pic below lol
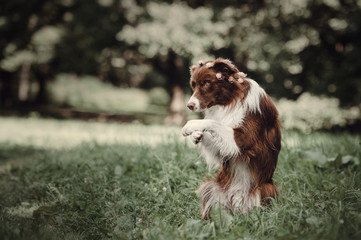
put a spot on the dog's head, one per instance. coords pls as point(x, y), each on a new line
point(214, 83)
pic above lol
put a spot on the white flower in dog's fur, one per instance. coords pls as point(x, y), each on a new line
point(219, 76)
point(209, 65)
point(241, 76)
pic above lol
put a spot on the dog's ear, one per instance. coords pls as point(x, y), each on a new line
point(194, 67)
point(240, 76)
point(224, 66)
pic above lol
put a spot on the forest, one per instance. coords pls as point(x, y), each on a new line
point(51, 51)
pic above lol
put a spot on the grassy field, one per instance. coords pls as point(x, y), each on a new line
point(88, 180)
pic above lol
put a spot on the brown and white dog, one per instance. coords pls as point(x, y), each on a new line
point(240, 134)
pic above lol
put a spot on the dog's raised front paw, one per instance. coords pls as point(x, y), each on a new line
point(191, 126)
point(197, 137)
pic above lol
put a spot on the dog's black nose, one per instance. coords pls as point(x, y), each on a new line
point(191, 106)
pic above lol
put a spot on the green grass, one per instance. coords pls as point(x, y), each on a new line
point(87, 180)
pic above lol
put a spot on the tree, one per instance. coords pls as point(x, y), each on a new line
point(173, 36)
point(29, 34)
point(42, 38)
point(290, 47)
point(89, 44)
point(300, 46)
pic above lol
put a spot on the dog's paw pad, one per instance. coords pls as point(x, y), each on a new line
point(197, 137)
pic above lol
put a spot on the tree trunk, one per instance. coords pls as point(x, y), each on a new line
point(24, 82)
point(42, 76)
point(176, 114)
point(176, 108)
point(7, 98)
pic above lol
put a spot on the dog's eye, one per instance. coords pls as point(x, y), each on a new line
point(193, 85)
point(206, 82)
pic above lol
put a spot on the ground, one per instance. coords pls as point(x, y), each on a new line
point(91, 180)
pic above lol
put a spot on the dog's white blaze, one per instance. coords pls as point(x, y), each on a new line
point(195, 100)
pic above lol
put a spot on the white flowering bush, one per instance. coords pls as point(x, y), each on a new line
point(311, 112)
point(188, 32)
point(89, 94)
point(40, 51)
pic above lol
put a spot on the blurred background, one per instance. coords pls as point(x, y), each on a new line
point(128, 60)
